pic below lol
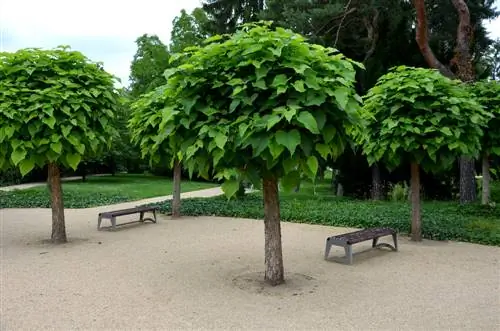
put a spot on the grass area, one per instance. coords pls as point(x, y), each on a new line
point(98, 191)
point(441, 220)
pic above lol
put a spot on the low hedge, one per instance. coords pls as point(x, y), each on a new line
point(440, 220)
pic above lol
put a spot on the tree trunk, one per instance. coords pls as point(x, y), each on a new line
point(274, 274)
point(422, 39)
point(485, 199)
point(376, 183)
point(416, 221)
point(58, 226)
point(467, 180)
point(176, 197)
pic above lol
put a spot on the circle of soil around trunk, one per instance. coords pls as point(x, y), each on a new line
point(296, 284)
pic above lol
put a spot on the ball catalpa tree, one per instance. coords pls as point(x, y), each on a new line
point(418, 116)
point(262, 105)
point(158, 132)
point(56, 106)
point(488, 95)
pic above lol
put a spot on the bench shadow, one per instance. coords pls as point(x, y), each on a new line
point(359, 256)
point(126, 226)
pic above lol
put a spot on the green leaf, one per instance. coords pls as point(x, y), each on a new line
point(73, 160)
point(323, 150)
point(299, 86)
point(230, 187)
point(220, 139)
point(290, 181)
point(25, 166)
point(273, 120)
point(446, 131)
point(275, 149)
point(17, 156)
point(289, 139)
point(312, 163)
point(279, 80)
point(49, 121)
point(341, 94)
point(56, 147)
point(309, 122)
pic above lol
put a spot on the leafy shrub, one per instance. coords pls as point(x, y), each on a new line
point(399, 192)
point(441, 220)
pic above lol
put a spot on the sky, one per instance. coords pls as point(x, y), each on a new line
point(104, 30)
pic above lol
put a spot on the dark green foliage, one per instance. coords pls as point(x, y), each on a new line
point(188, 30)
point(98, 191)
point(225, 15)
point(441, 221)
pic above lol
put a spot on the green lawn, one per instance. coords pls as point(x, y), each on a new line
point(98, 191)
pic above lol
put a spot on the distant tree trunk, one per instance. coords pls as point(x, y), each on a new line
point(376, 183)
point(485, 199)
point(176, 197)
point(416, 221)
point(467, 180)
point(274, 274)
point(58, 226)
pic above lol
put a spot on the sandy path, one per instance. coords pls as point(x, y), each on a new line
point(200, 273)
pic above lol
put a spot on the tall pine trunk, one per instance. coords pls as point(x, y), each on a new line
point(416, 220)
point(176, 198)
point(274, 274)
point(58, 225)
point(485, 199)
point(376, 183)
point(467, 180)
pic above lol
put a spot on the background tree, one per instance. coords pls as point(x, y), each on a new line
point(149, 63)
point(488, 94)
point(159, 134)
point(461, 66)
point(262, 105)
point(418, 116)
point(188, 30)
point(225, 15)
point(55, 107)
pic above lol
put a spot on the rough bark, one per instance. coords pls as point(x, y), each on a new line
point(376, 183)
point(467, 180)
point(274, 274)
point(422, 38)
point(176, 196)
point(416, 220)
point(58, 224)
point(485, 199)
point(462, 60)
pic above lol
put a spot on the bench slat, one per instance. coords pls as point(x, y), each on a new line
point(363, 235)
point(127, 211)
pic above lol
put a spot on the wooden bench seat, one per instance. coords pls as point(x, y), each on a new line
point(346, 240)
point(112, 215)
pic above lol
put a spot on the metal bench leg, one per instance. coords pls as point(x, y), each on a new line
point(395, 238)
point(141, 218)
point(154, 215)
point(374, 243)
point(327, 249)
point(113, 222)
point(99, 220)
point(348, 253)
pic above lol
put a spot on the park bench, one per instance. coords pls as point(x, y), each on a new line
point(112, 215)
point(346, 240)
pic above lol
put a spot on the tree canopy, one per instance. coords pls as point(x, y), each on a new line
point(418, 115)
point(55, 106)
point(149, 63)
